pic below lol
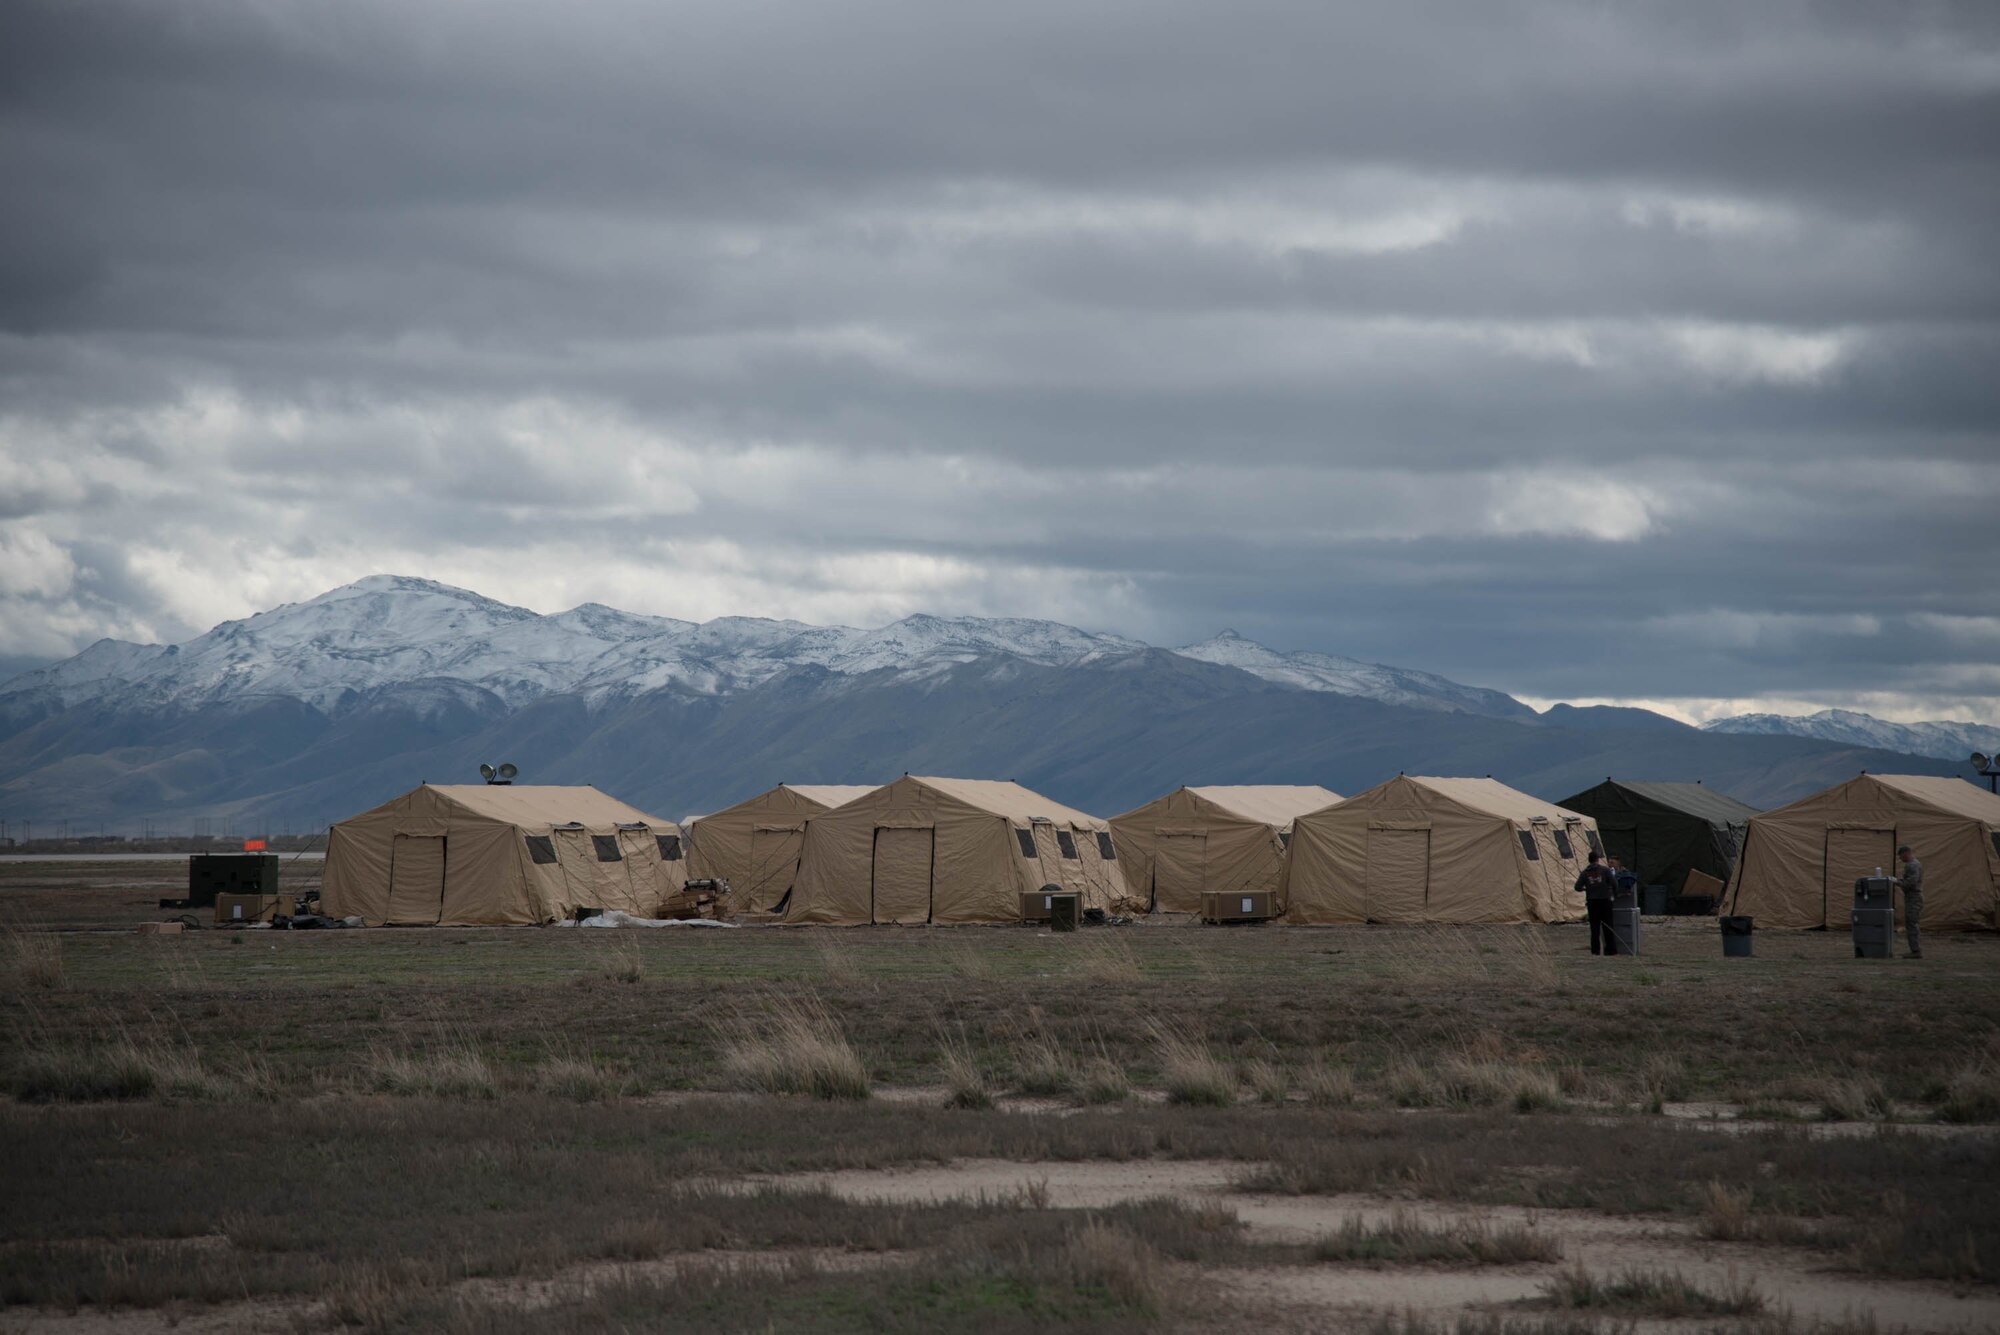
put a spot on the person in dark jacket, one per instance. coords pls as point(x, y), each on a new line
point(1596, 882)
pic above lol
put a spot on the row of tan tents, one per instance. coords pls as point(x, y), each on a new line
point(940, 850)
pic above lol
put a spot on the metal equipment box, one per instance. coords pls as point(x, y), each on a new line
point(245, 908)
point(1036, 904)
point(1873, 919)
point(1238, 906)
point(212, 874)
point(1065, 911)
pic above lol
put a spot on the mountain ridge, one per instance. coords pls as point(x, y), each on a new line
point(314, 710)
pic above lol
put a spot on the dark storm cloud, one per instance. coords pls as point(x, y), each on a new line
point(1582, 350)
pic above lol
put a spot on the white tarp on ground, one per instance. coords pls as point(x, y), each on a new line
point(620, 918)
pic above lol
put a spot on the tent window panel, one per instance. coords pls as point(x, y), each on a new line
point(541, 848)
point(1563, 845)
point(1596, 844)
point(607, 847)
point(1995, 837)
point(670, 847)
point(1284, 839)
point(1026, 838)
point(1109, 852)
point(1067, 843)
point(1528, 845)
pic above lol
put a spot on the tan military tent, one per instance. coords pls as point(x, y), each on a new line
point(1799, 862)
point(756, 844)
point(1212, 838)
point(1419, 849)
point(469, 854)
point(949, 850)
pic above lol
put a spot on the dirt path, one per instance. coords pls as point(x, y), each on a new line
point(1601, 1243)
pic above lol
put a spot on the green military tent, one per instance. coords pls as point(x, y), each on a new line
point(1662, 831)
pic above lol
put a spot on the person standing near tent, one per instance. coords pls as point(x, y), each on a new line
point(1912, 885)
point(1596, 882)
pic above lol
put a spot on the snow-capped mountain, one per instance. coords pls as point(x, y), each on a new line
point(1350, 676)
point(389, 630)
point(1942, 740)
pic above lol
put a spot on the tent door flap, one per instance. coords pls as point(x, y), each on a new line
point(416, 880)
point(902, 875)
point(1399, 866)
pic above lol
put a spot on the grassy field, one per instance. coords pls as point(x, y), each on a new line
point(574, 1129)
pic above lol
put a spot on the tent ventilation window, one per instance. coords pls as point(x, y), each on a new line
point(1528, 845)
point(1563, 845)
point(1026, 838)
point(633, 825)
point(1596, 844)
point(541, 848)
point(1067, 843)
point(607, 847)
point(1995, 837)
point(1284, 839)
point(670, 847)
point(1105, 848)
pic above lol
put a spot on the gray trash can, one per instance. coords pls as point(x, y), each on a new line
point(1625, 920)
point(1736, 935)
point(1874, 918)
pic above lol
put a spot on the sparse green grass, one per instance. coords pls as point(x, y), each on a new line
point(238, 1087)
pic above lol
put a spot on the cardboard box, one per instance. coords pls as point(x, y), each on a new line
point(160, 928)
point(1238, 906)
point(1701, 883)
point(245, 908)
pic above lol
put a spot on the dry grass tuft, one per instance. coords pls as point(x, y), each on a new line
point(1973, 1095)
point(1104, 1259)
point(1270, 1081)
point(1725, 1213)
point(1105, 957)
point(1042, 1066)
point(1191, 1071)
point(624, 963)
point(1330, 1086)
point(1474, 1082)
point(452, 1070)
point(579, 1076)
point(1658, 1293)
point(35, 959)
point(1854, 1099)
point(964, 1080)
point(836, 961)
point(1103, 1081)
point(1407, 1239)
point(795, 1047)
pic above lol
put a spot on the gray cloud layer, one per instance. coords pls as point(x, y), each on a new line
point(1609, 351)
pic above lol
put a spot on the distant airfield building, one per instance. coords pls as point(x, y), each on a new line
point(1662, 831)
point(1226, 838)
point(1799, 862)
point(756, 844)
point(930, 850)
point(1420, 849)
point(480, 854)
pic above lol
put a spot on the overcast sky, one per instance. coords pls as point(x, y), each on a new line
point(1587, 351)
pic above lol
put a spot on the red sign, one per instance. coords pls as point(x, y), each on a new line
point(253, 845)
